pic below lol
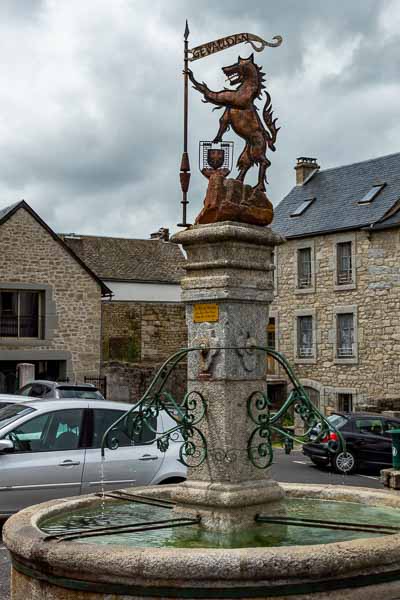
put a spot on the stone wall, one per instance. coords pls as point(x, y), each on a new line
point(30, 258)
point(142, 331)
point(373, 375)
point(128, 382)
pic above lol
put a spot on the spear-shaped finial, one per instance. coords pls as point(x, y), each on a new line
point(185, 165)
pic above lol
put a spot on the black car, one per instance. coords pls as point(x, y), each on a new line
point(367, 437)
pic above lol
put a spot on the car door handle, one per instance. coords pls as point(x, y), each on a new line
point(148, 457)
point(69, 463)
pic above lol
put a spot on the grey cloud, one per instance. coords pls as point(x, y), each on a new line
point(93, 138)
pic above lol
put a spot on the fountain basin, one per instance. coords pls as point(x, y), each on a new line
point(360, 568)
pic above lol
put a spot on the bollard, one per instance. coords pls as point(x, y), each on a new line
point(395, 433)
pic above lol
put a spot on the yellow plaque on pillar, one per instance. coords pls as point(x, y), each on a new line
point(205, 313)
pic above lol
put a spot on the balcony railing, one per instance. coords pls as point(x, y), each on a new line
point(305, 281)
point(345, 352)
point(305, 352)
point(344, 277)
point(21, 326)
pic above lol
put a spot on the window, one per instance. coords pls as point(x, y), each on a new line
point(313, 395)
point(345, 402)
point(345, 335)
point(344, 266)
point(147, 434)
point(390, 425)
point(76, 392)
point(372, 193)
point(369, 426)
point(271, 333)
point(124, 433)
point(304, 275)
point(59, 430)
point(102, 420)
point(337, 421)
point(21, 314)
point(11, 412)
point(302, 208)
point(271, 343)
point(305, 337)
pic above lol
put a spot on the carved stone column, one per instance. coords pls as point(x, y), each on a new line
point(227, 290)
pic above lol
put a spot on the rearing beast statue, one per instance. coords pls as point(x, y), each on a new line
point(242, 115)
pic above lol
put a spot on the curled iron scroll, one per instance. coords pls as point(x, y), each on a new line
point(255, 38)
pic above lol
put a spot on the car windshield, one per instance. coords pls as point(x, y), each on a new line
point(11, 412)
point(79, 393)
point(337, 421)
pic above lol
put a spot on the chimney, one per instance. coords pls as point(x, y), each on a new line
point(304, 168)
point(161, 234)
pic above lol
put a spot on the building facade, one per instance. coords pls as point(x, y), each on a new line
point(144, 321)
point(336, 313)
point(50, 303)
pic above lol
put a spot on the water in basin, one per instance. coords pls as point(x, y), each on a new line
point(126, 513)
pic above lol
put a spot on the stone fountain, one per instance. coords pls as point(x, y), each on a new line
point(227, 290)
point(227, 532)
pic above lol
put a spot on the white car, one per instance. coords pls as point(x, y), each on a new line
point(51, 449)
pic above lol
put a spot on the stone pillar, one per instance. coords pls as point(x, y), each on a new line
point(26, 374)
point(227, 291)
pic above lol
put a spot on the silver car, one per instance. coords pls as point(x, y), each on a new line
point(6, 399)
point(42, 388)
point(51, 449)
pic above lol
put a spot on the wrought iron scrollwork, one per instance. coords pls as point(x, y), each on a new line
point(142, 417)
point(261, 453)
point(259, 448)
point(188, 415)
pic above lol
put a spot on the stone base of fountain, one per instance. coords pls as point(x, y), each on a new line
point(228, 507)
point(361, 569)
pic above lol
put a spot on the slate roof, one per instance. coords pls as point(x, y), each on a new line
point(336, 192)
point(124, 259)
point(8, 211)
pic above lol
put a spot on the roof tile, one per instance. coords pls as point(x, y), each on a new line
point(129, 259)
point(337, 192)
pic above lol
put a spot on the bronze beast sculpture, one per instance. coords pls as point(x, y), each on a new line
point(242, 115)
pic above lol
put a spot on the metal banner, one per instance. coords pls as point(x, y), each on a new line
point(258, 44)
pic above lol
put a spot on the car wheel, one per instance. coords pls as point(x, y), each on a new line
point(344, 462)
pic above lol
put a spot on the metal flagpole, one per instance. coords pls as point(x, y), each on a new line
point(185, 165)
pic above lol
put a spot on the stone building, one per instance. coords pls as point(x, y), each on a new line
point(50, 303)
point(336, 313)
point(144, 322)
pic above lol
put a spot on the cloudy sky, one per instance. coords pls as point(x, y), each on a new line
point(91, 99)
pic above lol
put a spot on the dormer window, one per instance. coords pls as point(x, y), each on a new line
point(302, 208)
point(372, 193)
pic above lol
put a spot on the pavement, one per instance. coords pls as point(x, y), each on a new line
point(292, 468)
point(297, 468)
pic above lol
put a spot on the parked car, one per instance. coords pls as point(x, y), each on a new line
point(9, 399)
point(41, 388)
point(51, 449)
point(368, 442)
